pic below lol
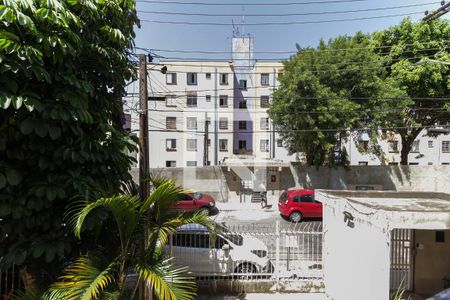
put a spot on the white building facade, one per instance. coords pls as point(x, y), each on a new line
point(232, 97)
point(205, 112)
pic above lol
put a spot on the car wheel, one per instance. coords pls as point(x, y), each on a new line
point(246, 268)
point(206, 210)
point(296, 217)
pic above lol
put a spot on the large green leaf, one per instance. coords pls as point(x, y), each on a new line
point(13, 177)
point(27, 126)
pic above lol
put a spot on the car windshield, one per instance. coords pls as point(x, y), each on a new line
point(234, 238)
point(197, 195)
point(284, 197)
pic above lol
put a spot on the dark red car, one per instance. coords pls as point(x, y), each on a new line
point(195, 202)
point(299, 204)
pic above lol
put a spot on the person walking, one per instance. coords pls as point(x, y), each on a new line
point(263, 194)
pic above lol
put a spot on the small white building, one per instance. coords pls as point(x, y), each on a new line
point(376, 242)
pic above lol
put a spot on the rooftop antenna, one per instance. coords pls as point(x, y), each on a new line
point(243, 21)
point(235, 29)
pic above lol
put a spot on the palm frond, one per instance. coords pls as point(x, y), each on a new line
point(165, 195)
point(85, 279)
point(163, 230)
point(124, 208)
point(168, 282)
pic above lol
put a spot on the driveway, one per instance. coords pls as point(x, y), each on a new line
point(274, 296)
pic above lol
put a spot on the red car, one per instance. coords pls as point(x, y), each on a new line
point(195, 202)
point(299, 204)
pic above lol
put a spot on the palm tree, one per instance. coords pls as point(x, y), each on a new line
point(142, 227)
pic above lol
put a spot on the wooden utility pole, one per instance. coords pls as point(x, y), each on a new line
point(143, 147)
point(205, 143)
point(445, 8)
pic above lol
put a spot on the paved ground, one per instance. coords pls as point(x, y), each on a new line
point(274, 296)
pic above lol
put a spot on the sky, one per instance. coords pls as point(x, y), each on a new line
point(267, 38)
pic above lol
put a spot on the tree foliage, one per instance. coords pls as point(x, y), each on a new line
point(359, 84)
point(102, 273)
point(63, 67)
point(402, 47)
point(324, 92)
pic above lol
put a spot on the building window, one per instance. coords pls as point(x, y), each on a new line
point(171, 163)
point(223, 100)
point(171, 123)
point(171, 78)
point(363, 163)
point(242, 145)
point(415, 146)
point(243, 84)
point(264, 145)
point(171, 145)
point(242, 125)
point(208, 75)
point(445, 164)
point(264, 101)
point(191, 78)
point(265, 79)
point(191, 100)
point(223, 145)
point(191, 145)
point(273, 178)
point(413, 163)
point(223, 123)
point(393, 164)
point(279, 143)
point(171, 100)
point(440, 236)
point(223, 79)
point(430, 163)
point(208, 98)
point(208, 143)
point(393, 146)
point(445, 146)
point(242, 104)
point(191, 163)
point(264, 123)
point(430, 144)
point(191, 123)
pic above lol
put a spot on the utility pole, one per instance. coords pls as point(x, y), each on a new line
point(445, 8)
point(144, 293)
point(205, 143)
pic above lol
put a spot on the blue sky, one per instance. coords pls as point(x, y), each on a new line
point(267, 38)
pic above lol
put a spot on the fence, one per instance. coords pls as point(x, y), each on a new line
point(251, 251)
point(10, 282)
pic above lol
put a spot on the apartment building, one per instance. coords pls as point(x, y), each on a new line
point(426, 150)
point(204, 112)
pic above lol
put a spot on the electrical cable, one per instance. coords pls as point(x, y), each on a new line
point(287, 14)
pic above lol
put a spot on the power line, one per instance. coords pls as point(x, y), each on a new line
point(224, 131)
point(279, 23)
point(299, 111)
point(285, 51)
point(286, 14)
point(250, 4)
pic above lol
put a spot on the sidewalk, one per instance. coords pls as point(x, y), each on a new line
point(274, 296)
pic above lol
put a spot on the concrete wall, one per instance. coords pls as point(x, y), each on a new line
point(219, 181)
point(355, 256)
point(432, 262)
point(209, 180)
point(396, 178)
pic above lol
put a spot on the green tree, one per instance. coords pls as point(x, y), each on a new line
point(102, 273)
point(63, 66)
point(402, 47)
point(326, 91)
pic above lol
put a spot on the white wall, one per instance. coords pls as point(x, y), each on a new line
point(356, 260)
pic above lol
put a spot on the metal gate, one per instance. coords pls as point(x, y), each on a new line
point(402, 262)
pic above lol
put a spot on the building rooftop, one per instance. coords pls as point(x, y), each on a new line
point(395, 201)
